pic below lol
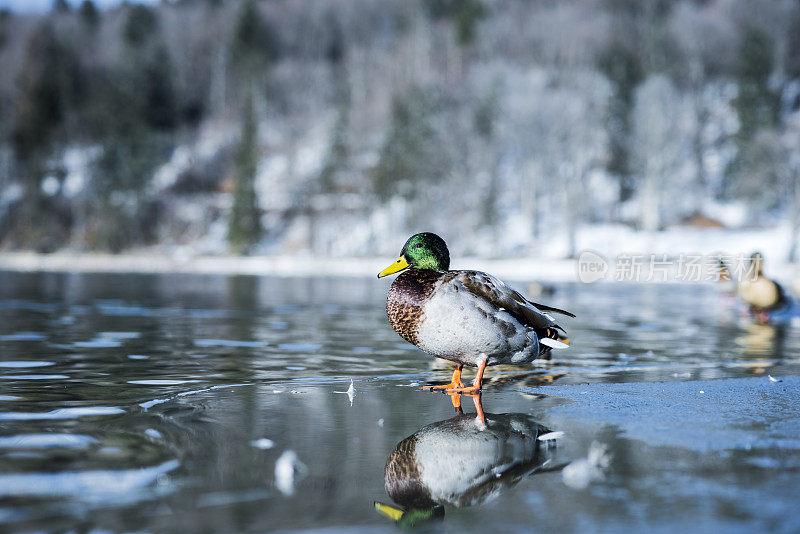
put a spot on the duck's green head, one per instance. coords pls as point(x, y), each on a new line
point(421, 251)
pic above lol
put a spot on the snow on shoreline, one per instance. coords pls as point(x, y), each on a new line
point(609, 241)
point(524, 269)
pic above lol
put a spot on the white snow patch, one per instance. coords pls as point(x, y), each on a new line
point(11, 194)
point(262, 443)
point(77, 163)
point(166, 175)
point(580, 473)
point(50, 185)
point(288, 471)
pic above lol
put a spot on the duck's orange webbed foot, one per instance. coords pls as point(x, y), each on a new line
point(476, 384)
point(454, 384)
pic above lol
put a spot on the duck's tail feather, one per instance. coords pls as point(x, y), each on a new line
point(553, 343)
point(545, 307)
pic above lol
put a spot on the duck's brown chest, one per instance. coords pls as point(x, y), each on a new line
point(406, 301)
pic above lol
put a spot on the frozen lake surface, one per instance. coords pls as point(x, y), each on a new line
point(209, 403)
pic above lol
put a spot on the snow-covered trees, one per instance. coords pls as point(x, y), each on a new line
point(514, 123)
point(661, 147)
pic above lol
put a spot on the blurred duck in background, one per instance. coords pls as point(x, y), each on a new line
point(768, 302)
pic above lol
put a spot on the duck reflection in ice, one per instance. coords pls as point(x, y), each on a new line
point(763, 340)
point(463, 461)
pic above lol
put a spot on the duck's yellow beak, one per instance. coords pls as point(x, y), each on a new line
point(397, 266)
point(387, 510)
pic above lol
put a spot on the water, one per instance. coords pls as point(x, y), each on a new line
point(205, 403)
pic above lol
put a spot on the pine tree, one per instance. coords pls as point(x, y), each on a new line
point(756, 104)
point(49, 88)
point(464, 14)
point(244, 229)
point(133, 112)
point(255, 44)
point(60, 6)
point(5, 17)
point(120, 213)
point(756, 107)
point(412, 152)
point(336, 159)
point(161, 108)
point(623, 69)
point(140, 25)
point(89, 14)
point(49, 85)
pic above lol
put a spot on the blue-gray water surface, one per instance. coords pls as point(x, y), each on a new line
point(164, 403)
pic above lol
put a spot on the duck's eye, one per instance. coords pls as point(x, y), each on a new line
point(418, 245)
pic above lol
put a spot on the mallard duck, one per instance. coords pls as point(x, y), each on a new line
point(463, 462)
point(759, 292)
point(468, 317)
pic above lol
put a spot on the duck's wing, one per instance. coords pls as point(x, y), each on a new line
point(501, 296)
